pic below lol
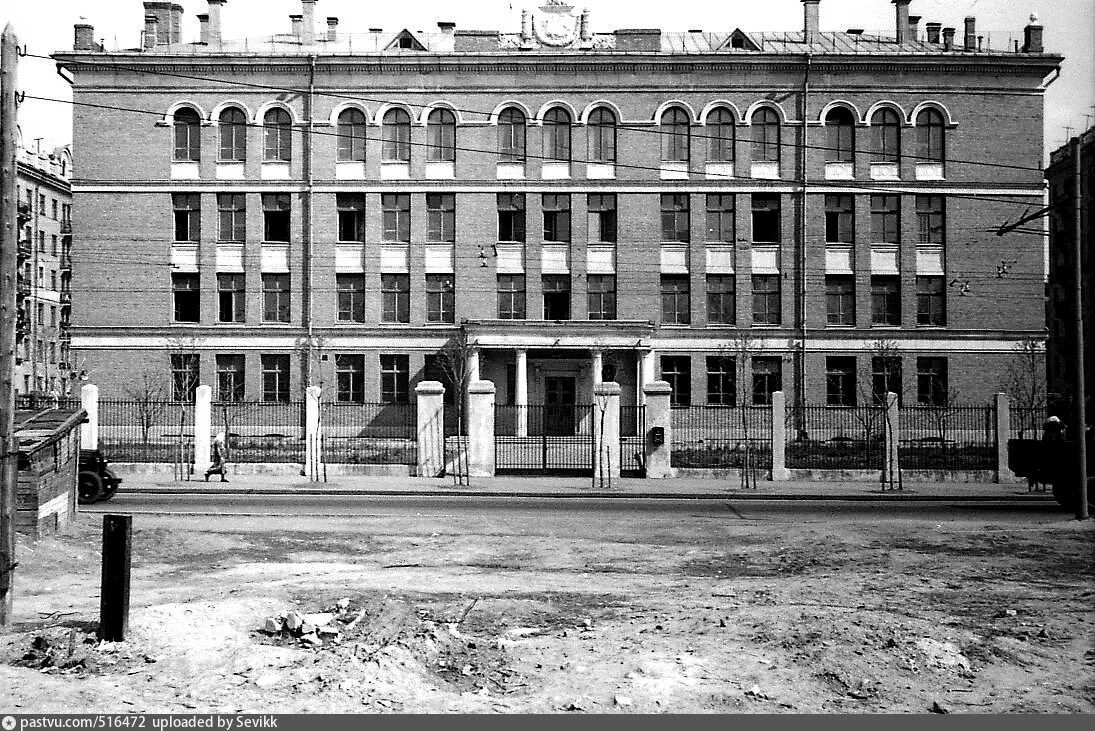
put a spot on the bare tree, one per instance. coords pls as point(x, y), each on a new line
point(885, 366)
point(452, 360)
point(1025, 384)
point(183, 353)
point(740, 348)
point(150, 393)
point(311, 350)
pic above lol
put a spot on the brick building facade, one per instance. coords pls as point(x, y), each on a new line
point(334, 208)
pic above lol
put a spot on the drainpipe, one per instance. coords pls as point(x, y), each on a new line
point(306, 220)
point(800, 365)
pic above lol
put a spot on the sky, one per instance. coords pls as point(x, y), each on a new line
point(46, 26)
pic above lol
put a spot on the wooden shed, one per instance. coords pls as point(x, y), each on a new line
point(49, 459)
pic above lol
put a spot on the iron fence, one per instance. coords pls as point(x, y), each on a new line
point(544, 438)
point(948, 438)
point(722, 436)
point(146, 430)
point(633, 441)
point(1026, 423)
point(261, 431)
point(369, 433)
point(836, 437)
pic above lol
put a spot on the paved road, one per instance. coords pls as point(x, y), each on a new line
point(537, 508)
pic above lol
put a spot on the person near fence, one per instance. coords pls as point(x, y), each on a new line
point(220, 458)
point(1052, 431)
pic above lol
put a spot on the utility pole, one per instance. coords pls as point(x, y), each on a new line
point(1079, 417)
point(8, 263)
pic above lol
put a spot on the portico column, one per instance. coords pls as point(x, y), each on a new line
point(646, 370)
point(520, 398)
point(598, 367)
point(473, 365)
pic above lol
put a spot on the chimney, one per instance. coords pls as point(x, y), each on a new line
point(586, 33)
point(215, 7)
point(447, 27)
point(526, 27)
point(308, 7)
point(297, 21)
point(902, 9)
point(151, 31)
point(933, 32)
point(176, 24)
point(203, 29)
point(84, 38)
point(948, 39)
point(1032, 37)
point(332, 29)
point(811, 19)
point(971, 34)
point(163, 14)
point(914, 28)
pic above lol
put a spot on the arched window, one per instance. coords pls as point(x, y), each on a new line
point(930, 145)
point(675, 132)
point(885, 136)
point(187, 136)
point(511, 135)
point(441, 136)
point(602, 136)
point(839, 135)
point(233, 133)
point(396, 136)
point(720, 136)
point(351, 136)
point(557, 135)
point(277, 143)
point(765, 125)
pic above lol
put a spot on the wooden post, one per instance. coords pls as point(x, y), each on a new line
point(114, 590)
point(9, 242)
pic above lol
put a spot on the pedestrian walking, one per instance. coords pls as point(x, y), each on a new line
point(220, 458)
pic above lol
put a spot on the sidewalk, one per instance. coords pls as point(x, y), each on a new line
point(575, 487)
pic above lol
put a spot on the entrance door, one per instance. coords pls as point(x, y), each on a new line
point(559, 402)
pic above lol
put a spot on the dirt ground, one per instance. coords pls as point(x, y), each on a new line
point(649, 615)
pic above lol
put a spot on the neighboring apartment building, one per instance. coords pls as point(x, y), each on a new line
point(635, 205)
point(1061, 346)
point(44, 298)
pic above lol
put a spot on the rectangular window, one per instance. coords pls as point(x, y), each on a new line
point(720, 217)
point(676, 371)
point(275, 217)
point(232, 212)
point(396, 212)
point(767, 305)
point(676, 300)
point(885, 378)
point(840, 299)
point(556, 296)
point(885, 219)
point(350, 378)
point(441, 217)
point(351, 297)
point(230, 386)
point(839, 219)
point(840, 381)
point(188, 214)
point(185, 374)
point(231, 297)
point(395, 295)
point(767, 379)
point(721, 307)
point(556, 209)
point(394, 379)
point(931, 302)
point(766, 215)
point(602, 296)
point(275, 297)
point(931, 381)
point(53, 245)
point(351, 216)
point(511, 216)
point(511, 296)
point(53, 209)
point(438, 367)
point(602, 217)
point(275, 378)
point(675, 218)
point(440, 299)
point(931, 219)
point(186, 297)
point(885, 300)
point(721, 381)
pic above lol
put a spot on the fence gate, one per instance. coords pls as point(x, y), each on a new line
point(553, 439)
point(633, 441)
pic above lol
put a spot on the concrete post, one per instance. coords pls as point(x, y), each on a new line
point(481, 429)
point(430, 396)
point(313, 434)
point(203, 413)
point(1003, 434)
point(779, 438)
point(520, 398)
point(89, 431)
point(606, 433)
point(658, 414)
point(892, 466)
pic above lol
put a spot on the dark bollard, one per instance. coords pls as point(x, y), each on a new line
point(114, 592)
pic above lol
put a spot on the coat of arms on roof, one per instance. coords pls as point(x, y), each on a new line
point(556, 24)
